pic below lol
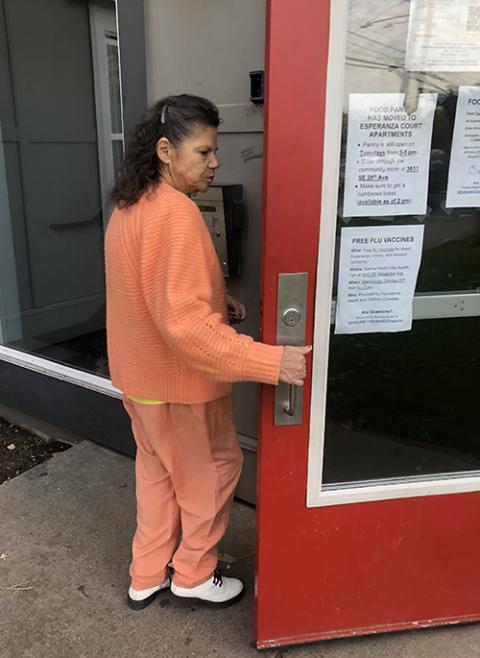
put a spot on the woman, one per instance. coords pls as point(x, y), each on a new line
point(173, 354)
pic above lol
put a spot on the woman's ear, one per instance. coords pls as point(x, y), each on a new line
point(164, 150)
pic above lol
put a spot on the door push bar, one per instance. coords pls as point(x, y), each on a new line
point(291, 314)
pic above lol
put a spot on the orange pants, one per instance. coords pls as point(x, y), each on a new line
point(187, 466)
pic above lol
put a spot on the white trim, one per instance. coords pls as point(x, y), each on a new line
point(117, 28)
point(326, 252)
point(406, 489)
point(104, 29)
point(428, 306)
point(442, 305)
point(436, 305)
point(59, 371)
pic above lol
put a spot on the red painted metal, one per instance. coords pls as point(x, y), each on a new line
point(349, 569)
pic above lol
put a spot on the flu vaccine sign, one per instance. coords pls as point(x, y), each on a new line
point(377, 278)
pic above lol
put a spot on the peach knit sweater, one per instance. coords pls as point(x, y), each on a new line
point(167, 324)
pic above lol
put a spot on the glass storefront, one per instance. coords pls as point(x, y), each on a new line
point(404, 404)
point(61, 139)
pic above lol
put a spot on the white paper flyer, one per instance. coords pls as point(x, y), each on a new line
point(443, 35)
point(377, 278)
point(463, 188)
point(388, 154)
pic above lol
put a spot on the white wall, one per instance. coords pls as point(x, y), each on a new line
point(208, 47)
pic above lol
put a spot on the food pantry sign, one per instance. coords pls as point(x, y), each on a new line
point(378, 273)
point(388, 152)
point(463, 189)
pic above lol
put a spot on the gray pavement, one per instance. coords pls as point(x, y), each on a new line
point(65, 529)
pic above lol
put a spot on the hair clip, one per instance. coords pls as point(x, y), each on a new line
point(220, 121)
point(162, 116)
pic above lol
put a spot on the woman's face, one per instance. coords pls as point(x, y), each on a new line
point(190, 166)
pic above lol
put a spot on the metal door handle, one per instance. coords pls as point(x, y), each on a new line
point(291, 406)
point(291, 315)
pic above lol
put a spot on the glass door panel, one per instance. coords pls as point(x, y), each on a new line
point(404, 404)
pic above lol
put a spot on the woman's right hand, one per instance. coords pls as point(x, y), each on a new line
point(293, 368)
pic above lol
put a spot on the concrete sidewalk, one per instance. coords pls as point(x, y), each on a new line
point(66, 527)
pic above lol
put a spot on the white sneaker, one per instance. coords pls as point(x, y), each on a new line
point(219, 591)
point(138, 599)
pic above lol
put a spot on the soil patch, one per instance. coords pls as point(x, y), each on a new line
point(21, 450)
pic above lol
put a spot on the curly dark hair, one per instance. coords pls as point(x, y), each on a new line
point(173, 117)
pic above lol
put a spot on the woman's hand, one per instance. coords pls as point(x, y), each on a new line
point(236, 310)
point(293, 368)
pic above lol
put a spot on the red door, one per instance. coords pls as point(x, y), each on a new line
point(368, 511)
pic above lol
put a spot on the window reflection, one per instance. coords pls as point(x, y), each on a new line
point(56, 165)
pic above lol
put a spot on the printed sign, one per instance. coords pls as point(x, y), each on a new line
point(378, 273)
point(388, 153)
point(463, 189)
point(443, 35)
